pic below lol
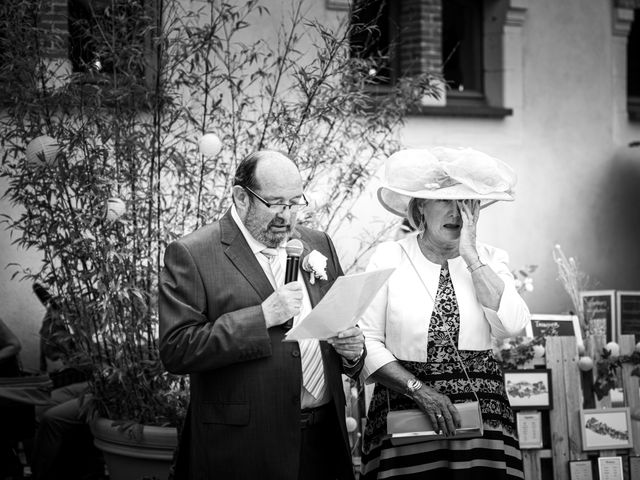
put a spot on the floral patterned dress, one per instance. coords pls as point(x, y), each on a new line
point(494, 456)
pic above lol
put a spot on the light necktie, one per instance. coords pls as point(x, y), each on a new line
point(277, 271)
point(310, 355)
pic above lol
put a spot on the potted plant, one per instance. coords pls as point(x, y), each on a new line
point(109, 163)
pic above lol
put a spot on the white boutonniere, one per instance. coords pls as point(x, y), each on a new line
point(316, 264)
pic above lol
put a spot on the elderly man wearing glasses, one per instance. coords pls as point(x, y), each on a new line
point(260, 407)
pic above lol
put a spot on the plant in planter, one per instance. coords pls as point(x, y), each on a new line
point(119, 158)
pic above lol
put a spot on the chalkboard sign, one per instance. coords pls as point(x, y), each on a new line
point(554, 325)
point(600, 309)
point(628, 318)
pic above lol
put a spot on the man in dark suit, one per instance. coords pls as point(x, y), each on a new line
point(260, 408)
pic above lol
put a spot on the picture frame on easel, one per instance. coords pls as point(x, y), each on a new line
point(606, 428)
point(529, 389)
point(628, 313)
point(599, 308)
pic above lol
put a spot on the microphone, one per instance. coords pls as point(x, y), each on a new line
point(294, 250)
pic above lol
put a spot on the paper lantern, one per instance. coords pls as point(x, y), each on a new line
point(581, 349)
point(638, 347)
point(613, 348)
point(352, 424)
point(585, 364)
point(115, 208)
point(42, 148)
point(210, 145)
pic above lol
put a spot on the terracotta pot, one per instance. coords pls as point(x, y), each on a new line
point(134, 459)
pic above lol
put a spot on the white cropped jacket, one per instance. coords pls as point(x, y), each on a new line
point(396, 324)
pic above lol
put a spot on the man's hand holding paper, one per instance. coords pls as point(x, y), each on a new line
point(349, 343)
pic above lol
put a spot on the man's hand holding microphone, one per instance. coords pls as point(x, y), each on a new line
point(286, 302)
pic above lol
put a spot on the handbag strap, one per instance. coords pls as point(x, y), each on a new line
point(446, 328)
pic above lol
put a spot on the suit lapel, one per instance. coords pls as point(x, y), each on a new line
point(239, 253)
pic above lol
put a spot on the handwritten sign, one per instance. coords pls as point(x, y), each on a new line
point(629, 313)
point(581, 470)
point(529, 429)
point(554, 325)
point(610, 468)
point(599, 310)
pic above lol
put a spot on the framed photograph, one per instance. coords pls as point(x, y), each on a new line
point(610, 468)
point(605, 428)
point(529, 425)
point(628, 313)
point(600, 310)
point(554, 325)
point(581, 469)
point(529, 389)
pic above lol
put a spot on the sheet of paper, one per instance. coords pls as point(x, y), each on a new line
point(341, 307)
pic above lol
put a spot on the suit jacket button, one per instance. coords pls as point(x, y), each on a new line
point(295, 353)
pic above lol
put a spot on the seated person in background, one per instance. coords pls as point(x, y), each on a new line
point(16, 418)
point(58, 355)
point(10, 347)
point(63, 446)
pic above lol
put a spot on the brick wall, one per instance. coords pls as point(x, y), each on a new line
point(420, 36)
point(54, 23)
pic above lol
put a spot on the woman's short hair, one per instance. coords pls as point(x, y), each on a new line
point(414, 215)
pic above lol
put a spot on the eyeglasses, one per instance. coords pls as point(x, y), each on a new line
point(294, 207)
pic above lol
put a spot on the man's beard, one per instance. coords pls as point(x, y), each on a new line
point(263, 234)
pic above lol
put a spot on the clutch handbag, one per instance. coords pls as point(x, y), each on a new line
point(413, 425)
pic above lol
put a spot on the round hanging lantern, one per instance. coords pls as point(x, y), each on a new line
point(42, 148)
point(210, 145)
point(613, 348)
point(585, 364)
point(115, 208)
point(581, 349)
point(352, 424)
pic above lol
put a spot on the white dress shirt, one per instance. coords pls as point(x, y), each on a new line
point(307, 400)
point(396, 324)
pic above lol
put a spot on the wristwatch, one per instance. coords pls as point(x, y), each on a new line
point(413, 386)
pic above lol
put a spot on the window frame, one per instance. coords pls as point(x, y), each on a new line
point(501, 47)
point(633, 98)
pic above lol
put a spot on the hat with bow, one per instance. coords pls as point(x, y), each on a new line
point(444, 173)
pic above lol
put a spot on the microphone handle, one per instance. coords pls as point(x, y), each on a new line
point(291, 275)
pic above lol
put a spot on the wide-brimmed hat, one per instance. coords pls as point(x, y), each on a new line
point(444, 173)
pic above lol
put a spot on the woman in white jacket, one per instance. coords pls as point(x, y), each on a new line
point(428, 331)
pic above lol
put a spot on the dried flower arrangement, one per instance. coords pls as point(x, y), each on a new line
point(573, 280)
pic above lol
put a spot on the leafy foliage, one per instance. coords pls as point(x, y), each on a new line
point(131, 138)
point(606, 371)
point(520, 350)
